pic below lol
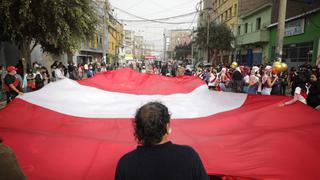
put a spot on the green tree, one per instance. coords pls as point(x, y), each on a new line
point(57, 25)
point(220, 39)
point(182, 51)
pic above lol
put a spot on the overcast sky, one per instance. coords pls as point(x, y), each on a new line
point(155, 9)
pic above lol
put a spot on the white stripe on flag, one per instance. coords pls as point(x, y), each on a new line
point(71, 98)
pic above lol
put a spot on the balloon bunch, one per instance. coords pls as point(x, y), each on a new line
point(278, 67)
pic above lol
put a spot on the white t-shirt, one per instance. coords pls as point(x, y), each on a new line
point(212, 77)
point(86, 67)
point(59, 74)
point(246, 79)
point(300, 97)
point(254, 79)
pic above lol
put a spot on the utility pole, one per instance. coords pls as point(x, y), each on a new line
point(164, 45)
point(192, 52)
point(207, 9)
point(208, 34)
point(281, 29)
point(104, 31)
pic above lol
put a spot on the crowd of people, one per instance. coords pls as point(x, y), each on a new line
point(302, 83)
point(14, 81)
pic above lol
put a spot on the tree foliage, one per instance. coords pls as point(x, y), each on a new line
point(220, 38)
point(182, 51)
point(57, 25)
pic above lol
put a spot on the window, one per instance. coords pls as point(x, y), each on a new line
point(239, 30)
point(230, 13)
point(258, 23)
point(246, 28)
point(300, 52)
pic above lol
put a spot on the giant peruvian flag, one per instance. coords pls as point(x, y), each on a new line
point(78, 130)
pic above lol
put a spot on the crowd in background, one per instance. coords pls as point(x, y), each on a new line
point(301, 83)
point(37, 75)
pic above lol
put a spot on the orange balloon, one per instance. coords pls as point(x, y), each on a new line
point(277, 66)
point(275, 71)
point(284, 67)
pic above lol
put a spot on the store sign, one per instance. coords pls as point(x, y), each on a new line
point(150, 57)
point(294, 27)
point(128, 57)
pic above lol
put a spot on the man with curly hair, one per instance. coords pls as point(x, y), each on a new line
point(156, 157)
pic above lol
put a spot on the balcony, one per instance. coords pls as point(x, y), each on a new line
point(260, 36)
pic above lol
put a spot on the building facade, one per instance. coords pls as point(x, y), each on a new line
point(252, 34)
point(149, 49)
point(302, 39)
point(205, 8)
point(93, 49)
point(178, 37)
point(129, 44)
point(226, 11)
point(115, 39)
point(138, 47)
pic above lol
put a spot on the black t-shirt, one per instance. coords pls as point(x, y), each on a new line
point(237, 76)
point(10, 79)
point(313, 98)
point(161, 162)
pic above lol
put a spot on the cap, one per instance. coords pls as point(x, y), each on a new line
point(268, 68)
point(11, 68)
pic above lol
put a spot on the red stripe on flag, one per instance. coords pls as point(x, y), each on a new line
point(259, 140)
point(129, 81)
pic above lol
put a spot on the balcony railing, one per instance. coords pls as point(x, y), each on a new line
point(253, 37)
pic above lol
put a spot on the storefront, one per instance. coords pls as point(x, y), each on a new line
point(302, 37)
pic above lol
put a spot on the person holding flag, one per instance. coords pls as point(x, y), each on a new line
point(12, 84)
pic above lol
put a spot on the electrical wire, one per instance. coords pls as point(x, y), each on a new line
point(151, 20)
point(141, 21)
point(193, 21)
point(162, 19)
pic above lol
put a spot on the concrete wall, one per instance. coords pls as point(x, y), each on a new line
point(9, 55)
point(264, 14)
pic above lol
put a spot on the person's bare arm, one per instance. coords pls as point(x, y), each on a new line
point(15, 89)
